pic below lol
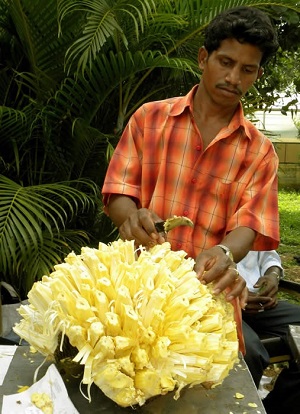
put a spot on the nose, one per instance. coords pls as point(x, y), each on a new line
point(233, 76)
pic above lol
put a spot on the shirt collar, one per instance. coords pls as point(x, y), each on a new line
point(238, 120)
point(185, 102)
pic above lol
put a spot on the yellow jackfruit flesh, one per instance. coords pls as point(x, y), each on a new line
point(141, 323)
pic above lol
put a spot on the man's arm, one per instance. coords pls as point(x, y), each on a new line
point(214, 265)
point(240, 242)
point(211, 265)
point(120, 207)
point(271, 271)
point(275, 272)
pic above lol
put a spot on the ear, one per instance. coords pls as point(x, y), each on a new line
point(260, 73)
point(202, 57)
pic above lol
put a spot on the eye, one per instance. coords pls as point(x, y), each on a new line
point(225, 62)
point(249, 70)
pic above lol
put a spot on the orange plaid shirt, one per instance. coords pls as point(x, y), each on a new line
point(160, 162)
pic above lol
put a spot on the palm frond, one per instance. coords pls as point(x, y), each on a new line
point(84, 95)
point(12, 123)
point(26, 212)
point(104, 20)
point(89, 151)
point(14, 131)
point(42, 258)
point(36, 33)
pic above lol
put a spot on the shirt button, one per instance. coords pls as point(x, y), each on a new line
point(179, 246)
point(194, 180)
point(198, 147)
point(185, 213)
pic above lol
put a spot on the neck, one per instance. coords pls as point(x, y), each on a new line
point(205, 108)
point(210, 117)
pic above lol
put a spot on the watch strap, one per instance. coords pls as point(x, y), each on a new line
point(226, 250)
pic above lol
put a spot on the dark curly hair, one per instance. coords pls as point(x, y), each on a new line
point(245, 24)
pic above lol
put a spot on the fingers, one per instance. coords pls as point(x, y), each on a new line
point(238, 289)
point(241, 294)
point(139, 226)
point(261, 307)
point(267, 286)
point(210, 267)
point(254, 307)
point(272, 303)
point(230, 278)
point(213, 265)
point(129, 231)
point(244, 298)
point(260, 303)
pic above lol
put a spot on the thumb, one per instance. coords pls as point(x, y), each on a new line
point(260, 282)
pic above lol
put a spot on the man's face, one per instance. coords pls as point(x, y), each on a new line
point(228, 72)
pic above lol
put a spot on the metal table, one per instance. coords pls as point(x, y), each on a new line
point(198, 400)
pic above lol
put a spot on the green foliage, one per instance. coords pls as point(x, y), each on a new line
point(296, 120)
point(71, 74)
point(281, 76)
point(290, 296)
point(289, 213)
point(36, 227)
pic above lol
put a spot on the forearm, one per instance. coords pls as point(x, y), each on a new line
point(240, 242)
point(275, 272)
point(120, 207)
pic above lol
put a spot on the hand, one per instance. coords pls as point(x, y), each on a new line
point(257, 303)
point(213, 265)
point(267, 285)
point(139, 226)
point(266, 296)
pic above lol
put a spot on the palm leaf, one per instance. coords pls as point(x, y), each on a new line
point(11, 121)
point(85, 95)
point(41, 260)
point(36, 33)
point(88, 151)
point(112, 21)
point(27, 212)
point(104, 20)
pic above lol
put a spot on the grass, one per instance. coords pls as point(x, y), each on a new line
point(289, 215)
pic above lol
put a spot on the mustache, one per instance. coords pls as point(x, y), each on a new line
point(229, 87)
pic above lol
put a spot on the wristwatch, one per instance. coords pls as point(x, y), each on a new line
point(226, 250)
point(273, 272)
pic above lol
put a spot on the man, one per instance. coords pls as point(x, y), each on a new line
point(199, 157)
point(264, 314)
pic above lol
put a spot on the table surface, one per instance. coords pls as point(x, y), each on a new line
point(219, 400)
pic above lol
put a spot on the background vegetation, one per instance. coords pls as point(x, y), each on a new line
point(71, 74)
point(289, 212)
